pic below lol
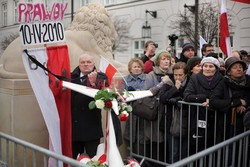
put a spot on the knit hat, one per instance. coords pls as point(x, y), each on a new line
point(157, 56)
point(210, 60)
point(193, 62)
point(187, 46)
point(232, 60)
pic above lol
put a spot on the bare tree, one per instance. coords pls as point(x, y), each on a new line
point(122, 29)
point(207, 23)
point(7, 40)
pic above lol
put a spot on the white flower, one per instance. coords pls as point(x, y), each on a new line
point(125, 113)
point(99, 104)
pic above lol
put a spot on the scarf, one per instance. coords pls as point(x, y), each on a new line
point(239, 82)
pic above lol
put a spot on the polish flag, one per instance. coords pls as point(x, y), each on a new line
point(107, 152)
point(59, 63)
point(224, 31)
point(242, 1)
point(107, 68)
point(53, 101)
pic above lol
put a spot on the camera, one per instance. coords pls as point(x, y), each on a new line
point(156, 45)
point(172, 38)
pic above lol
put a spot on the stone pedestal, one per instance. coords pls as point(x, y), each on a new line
point(20, 116)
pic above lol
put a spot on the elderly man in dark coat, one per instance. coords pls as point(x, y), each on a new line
point(86, 123)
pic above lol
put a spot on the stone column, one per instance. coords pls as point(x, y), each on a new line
point(20, 116)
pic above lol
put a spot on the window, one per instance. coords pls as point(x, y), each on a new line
point(4, 13)
point(142, 44)
point(136, 44)
point(15, 11)
point(84, 2)
point(108, 2)
point(138, 48)
point(231, 41)
point(180, 42)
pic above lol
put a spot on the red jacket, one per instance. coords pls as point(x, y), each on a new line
point(148, 66)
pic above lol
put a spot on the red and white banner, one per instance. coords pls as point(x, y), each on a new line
point(107, 68)
point(45, 98)
point(107, 152)
point(242, 1)
point(59, 64)
point(224, 31)
point(53, 101)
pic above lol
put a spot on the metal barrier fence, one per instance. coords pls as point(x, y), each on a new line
point(213, 154)
point(160, 142)
point(15, 152)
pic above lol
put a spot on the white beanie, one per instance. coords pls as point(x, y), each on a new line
point(210, 60)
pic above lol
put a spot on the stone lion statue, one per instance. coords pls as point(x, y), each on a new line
point(92, 30)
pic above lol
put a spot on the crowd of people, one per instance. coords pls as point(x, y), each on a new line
point(216, 83)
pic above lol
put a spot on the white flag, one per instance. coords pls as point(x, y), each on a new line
point(40, 85)
point(113, 155)
point(248, 70)
point(202, 42)
point(108, 150)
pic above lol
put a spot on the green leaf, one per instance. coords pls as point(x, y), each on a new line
point(127, 93)
point(129, 108)
point(92, 105)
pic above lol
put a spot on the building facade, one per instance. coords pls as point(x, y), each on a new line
point(133, 15)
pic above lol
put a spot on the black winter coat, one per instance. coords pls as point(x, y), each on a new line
point(198, 88)
point(86, 124)
point(170, 96)
point(183, 58)
point(226, 96)
point(197, 91)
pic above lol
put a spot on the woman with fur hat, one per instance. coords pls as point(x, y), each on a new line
point(233, 92)
point(232, 97)
point(198, 90)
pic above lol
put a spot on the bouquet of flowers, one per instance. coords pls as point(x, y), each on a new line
point(104, 99)
point(85, 159)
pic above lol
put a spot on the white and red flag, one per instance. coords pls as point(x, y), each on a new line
point(107, 68)
point(59, 64)
point(202, 41)
point(53, 101)
point(224, 31)
point(107, 152)
point(242, 1)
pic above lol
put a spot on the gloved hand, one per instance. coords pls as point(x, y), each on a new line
point(174, 100)
point(130, 88)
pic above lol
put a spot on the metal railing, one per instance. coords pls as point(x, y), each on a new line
point(15, 152)
point(150, 141)
point(219, 149)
